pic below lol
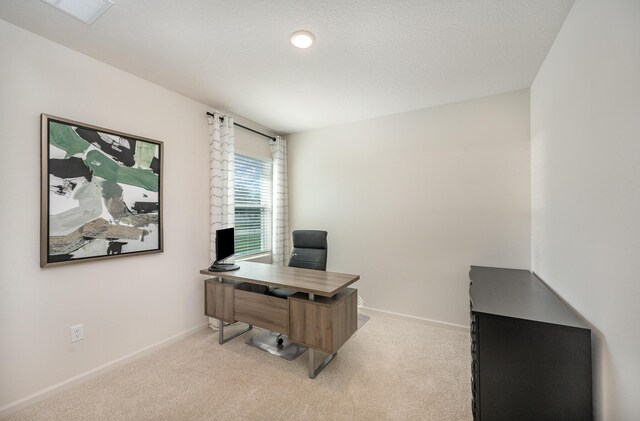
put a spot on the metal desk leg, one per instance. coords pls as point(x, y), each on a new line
point(221, 339)
point(313, 371)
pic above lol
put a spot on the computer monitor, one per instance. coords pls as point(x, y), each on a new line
point(225, 244)
point(225, 248)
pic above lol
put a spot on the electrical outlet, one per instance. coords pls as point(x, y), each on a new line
point(77, 333)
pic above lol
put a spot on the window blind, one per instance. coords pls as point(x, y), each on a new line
point(253, 205)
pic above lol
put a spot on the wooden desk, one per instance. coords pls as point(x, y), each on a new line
point(318, 282)
point(324, 323)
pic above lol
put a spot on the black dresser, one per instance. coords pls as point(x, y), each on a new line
point(531, 353)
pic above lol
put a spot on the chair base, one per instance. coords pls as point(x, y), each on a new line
point(268, 342)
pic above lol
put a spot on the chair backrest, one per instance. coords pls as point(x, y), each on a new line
point(309, 249)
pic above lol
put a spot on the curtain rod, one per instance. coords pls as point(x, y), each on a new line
point(246, 128)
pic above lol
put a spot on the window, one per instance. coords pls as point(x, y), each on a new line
point(253, 205)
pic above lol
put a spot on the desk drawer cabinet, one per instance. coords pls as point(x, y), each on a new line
point(218, 299)
point(262, 310)
point(325, 323)
point(234, 301)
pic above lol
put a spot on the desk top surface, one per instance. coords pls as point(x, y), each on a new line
point(318, 282)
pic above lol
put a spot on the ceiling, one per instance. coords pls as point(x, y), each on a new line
point(371, 57)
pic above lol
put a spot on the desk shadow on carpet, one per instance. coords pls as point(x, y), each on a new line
point(362, 319)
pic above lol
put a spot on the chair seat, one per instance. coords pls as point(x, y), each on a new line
point(280, 292)
point(246, 286)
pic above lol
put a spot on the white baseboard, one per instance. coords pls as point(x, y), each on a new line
point(87, 375)
point(419, 319)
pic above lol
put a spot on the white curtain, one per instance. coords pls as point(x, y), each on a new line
point(280, 238)
point(222, 165)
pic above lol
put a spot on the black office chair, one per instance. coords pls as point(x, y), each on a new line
point(309, 252)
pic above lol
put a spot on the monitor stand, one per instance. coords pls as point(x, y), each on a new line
point(223, 267)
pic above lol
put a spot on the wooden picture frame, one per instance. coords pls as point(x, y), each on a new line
point(101, 193)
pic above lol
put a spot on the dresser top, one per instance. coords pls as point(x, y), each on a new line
point(519, 294)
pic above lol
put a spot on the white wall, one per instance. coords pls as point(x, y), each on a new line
point(585, 131)
point(411, 200)
point(126, 304)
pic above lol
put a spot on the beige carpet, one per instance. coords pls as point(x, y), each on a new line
point(392, 369)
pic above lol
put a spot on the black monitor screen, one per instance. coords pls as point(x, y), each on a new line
point(225, 245)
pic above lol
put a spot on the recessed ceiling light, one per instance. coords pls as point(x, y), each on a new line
point(302, 39)
point(85, 10)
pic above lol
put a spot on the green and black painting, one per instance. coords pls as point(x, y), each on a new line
point(104, 193)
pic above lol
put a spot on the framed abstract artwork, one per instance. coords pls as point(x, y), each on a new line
point(101, 193)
